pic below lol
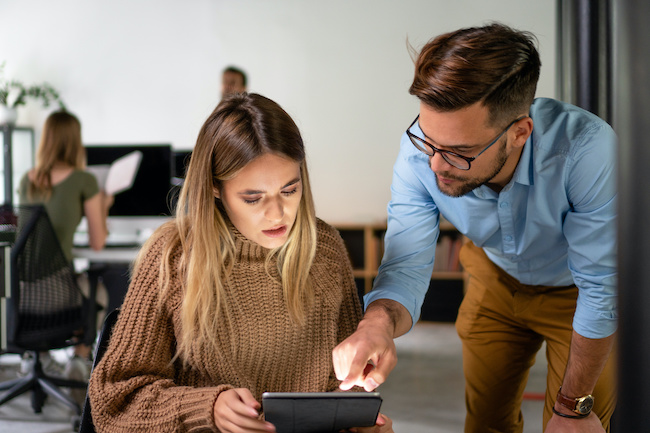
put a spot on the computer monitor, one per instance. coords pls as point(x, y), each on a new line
point(181, 162)
point(149, 195)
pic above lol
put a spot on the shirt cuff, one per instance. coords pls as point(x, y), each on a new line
point(594, 324)
point(408, 303)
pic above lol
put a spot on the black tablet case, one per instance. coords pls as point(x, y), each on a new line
point(320, 412)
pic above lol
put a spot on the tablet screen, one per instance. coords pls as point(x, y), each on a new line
point(320, 412)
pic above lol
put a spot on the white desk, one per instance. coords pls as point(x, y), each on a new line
point(106, 255)
point(134, 230)
point(111, 266)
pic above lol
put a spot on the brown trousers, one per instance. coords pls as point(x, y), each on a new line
point(502, 325)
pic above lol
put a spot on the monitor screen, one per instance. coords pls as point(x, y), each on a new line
point(181, 162)
point(149, 194)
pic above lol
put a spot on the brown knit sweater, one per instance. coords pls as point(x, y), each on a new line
point(135, 387)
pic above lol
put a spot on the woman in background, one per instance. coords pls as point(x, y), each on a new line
point(245, 291)
point(59, 182)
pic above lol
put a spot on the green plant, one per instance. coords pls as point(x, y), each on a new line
point(14, 93)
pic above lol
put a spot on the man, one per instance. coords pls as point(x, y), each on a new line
point(531, 183)
point(233, 80)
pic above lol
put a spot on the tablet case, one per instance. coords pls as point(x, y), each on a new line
point(320, 412)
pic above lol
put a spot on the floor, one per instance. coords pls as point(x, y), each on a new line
point(424, 394)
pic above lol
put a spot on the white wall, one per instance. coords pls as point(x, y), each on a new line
point(144, 71)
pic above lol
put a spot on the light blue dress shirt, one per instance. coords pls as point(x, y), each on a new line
point(553, 224)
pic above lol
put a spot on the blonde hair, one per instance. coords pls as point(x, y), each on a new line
point(240, 129)
point(60, 143)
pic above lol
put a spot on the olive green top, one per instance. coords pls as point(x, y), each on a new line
point(65, 205)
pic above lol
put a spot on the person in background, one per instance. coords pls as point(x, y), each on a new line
point(59, 182)
point(233, 80)
point(244, 291)
point(532, 184)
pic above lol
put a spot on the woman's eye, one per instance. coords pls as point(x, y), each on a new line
point(251, 201)
point(293, 191)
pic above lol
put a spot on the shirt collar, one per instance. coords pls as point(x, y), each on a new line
point(523, 173)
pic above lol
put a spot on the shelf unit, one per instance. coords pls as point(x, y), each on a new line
point(365, 244)
point(16, 158)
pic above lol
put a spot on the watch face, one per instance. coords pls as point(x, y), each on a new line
point(584, 404)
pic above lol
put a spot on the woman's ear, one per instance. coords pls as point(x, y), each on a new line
point(216, 192)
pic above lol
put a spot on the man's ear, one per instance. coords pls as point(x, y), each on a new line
point(522, 130)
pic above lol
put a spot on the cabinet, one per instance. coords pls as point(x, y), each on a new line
point(16, 158)
point(365, 244)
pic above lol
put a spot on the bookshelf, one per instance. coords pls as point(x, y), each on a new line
point(365, 244)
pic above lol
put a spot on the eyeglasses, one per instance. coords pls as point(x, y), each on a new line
point(458, 161)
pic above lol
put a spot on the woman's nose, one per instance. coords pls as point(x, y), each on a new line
point(275, 210)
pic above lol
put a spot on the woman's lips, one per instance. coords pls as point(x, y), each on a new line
point(276, 232)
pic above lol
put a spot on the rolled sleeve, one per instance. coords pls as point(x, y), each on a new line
point(410, 240)
point(590, 229)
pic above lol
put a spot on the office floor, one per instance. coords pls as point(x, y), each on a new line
point(424, 394)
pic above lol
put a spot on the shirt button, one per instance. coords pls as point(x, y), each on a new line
point(504, 204)
point(508, 238)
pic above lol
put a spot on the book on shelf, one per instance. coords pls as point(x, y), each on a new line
point(446, 258)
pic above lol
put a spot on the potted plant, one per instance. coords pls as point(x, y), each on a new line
point(14, 94)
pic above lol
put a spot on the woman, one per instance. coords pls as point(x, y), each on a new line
point(59, 182)
point(245, 291)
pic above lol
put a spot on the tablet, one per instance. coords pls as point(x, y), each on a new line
point(320, 412)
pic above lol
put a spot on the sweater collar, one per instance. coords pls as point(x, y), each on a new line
point(244, 247)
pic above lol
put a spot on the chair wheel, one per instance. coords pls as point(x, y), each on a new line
point(38, 399)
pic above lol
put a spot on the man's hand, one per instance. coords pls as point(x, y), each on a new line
point(587, 357)
point(589, 424)
point(236, 410)
point(367, 357)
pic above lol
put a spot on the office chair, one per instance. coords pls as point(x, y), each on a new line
point(45, 309)
point(87, 425)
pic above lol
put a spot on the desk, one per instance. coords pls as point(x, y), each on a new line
point(124, 255)
point(125, 237)
point(111, 266)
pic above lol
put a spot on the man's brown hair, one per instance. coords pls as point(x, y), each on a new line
point(494, 64)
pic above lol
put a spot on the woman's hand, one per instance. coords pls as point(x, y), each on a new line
point(383, 425)
point(236, 410)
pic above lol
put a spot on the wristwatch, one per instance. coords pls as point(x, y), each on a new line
point(580, 405)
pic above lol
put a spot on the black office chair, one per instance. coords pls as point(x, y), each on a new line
point(87, 425)
point(46, 309)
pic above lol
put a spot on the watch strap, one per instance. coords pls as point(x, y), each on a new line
point(572, 403)
point(568, 402)
point(563, 415)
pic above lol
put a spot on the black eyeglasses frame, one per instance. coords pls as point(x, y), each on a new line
point(447, 153)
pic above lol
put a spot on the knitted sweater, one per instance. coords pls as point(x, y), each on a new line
point(136, 387)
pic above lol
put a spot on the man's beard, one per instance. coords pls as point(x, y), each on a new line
point(467, 184)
